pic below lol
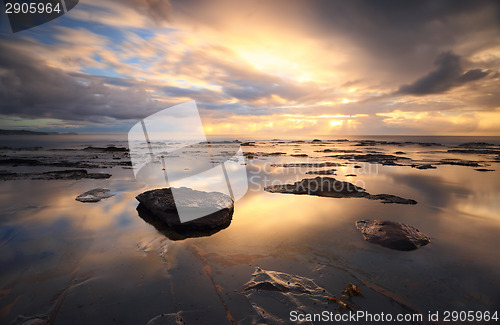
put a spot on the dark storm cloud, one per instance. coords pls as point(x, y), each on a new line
point(448, 74)
point(29, 88)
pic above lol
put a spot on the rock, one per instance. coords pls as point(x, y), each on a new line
point(320, 186)
point(400, 153)
point(94, 195)
point(424, 166)
point(274, 294)
point(459, 162)
point(62, 163)
point(392, 235)
point(298, 155)
point(322, 172)
point(108, 149)
point(316, 141)
point(251, 155)
point(53, 175)
point(160, 203)
point(476, 151)
point(350, 175)
point(317, 165)
point(69, 174)
point(388, 198)
point(484, 170)
point(179, 232)
point(382, 159)
point(476, 145)
point(338, 150)
point(331, 187)
point(6, 175)
point(21, 162)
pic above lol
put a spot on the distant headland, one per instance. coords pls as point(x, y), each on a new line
point(27, 132)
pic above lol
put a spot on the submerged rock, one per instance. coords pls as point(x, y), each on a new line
point(69, 174)
point(331, 187)
point(158, 208)
point(73, 174)
point(424, 166)
point(476, 145)
point(107, 149)
point(476, 151)
point(383, 159)
point(389, 198)
point(459, 162)
point(317, 165)
point(394, 235)
point(95, 195)
point(322, 172)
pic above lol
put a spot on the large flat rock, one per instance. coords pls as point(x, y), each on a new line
point(162, 208)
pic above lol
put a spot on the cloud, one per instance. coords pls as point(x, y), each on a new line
point(448, 74)
point(158, 10)
point(29, 88)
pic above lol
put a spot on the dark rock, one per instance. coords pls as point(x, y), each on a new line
point(251, 155)
point(459, 162)
point(429, 144)
point(400, 153)
point(69, 174)
point(320, 186)
point(338, 150)
point(53, 175)
point(331, 187)
point(6, 175)
point(317, 165)
point(248, 144)
point(351, 175)
point(424, 166)
point(20, 162)
point(63, 163)
point(476, 145)
point(484, 170)
point(389, 198)
point(382, 159)
point(298, 155)
point(316, 141)
point(107, 149)
point(94, 195)
point(322, 172)
point(160, 203)
point(177, 232)
point(392, 235)
point(476, 151)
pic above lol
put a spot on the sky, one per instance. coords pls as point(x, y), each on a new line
point(276, 68)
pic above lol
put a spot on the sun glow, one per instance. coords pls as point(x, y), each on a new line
point(335, 123)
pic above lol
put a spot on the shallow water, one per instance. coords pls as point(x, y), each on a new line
point(99, 263)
